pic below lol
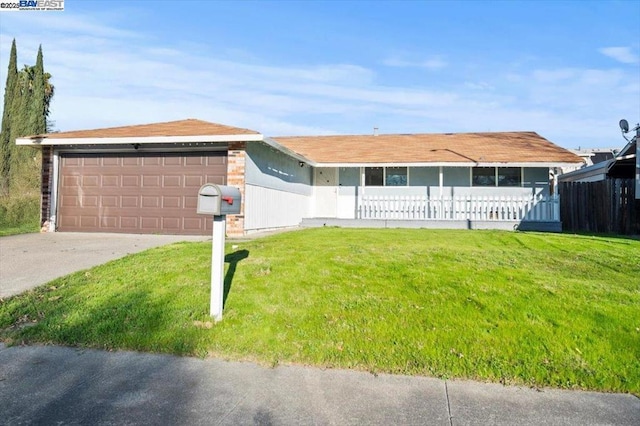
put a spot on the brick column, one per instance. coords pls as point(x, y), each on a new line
point(46, 183)
point(235, 177)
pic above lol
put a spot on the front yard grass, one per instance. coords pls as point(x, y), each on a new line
point(18, 229)
point(517, 308)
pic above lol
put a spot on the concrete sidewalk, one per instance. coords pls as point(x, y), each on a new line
point(51, 385)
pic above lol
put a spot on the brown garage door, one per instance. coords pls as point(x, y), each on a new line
point(137, 192)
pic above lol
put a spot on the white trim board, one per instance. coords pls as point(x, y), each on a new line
point(52, 140)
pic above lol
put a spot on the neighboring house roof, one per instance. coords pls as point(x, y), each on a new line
point(594, 172)
point(623, 165)
point(626, 165)
point(447, 148)
point(190, 130)
point(629, 149)
point(595, 155)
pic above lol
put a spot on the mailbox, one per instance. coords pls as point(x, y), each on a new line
point(218, 200)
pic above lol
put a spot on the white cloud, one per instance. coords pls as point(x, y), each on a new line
point(478, 85)
point(554, 76)
point(621, 54)
point(66, 23)
point(433, 63)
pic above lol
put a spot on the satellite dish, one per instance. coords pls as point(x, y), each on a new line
point(624, 125)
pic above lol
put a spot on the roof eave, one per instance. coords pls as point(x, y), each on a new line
point(595, 169)
point(274, 144)
point(629, 148)
point(49, 141)
point(452, 164)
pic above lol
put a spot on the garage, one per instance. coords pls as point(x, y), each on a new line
point(136, 192)
point(141, 178)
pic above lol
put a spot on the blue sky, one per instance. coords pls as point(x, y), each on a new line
point(568, 70)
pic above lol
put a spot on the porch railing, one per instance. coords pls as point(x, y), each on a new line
point(464, 207)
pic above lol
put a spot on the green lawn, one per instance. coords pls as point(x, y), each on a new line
point(519, 308)
point(18, 229)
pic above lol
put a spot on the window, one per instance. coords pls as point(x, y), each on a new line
point(427, 176)
point(509, 176)
point(484, 176)
point(455, 176)
point(501, 176)
point(373, 176)
point(396, 176)
point(349, 176)
point(385, 176)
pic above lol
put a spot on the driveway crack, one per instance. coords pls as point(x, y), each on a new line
point(238, 402)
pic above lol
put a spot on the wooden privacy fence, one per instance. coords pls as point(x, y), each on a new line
point(605, 206)
point(420, 207)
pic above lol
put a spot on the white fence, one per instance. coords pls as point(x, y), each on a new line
point(464, 207)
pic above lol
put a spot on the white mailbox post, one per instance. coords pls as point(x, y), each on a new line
point(218, 201)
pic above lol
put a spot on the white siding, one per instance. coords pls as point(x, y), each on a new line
point(326, 192)
point(267, 208)
point(278, 190)
point(269, 168)
point(346, 205)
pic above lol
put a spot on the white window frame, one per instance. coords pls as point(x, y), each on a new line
point(495, 177)
point(363, 177)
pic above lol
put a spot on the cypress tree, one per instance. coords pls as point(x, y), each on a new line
point(7, 119)
point(26, 107)
point(30, 105)
point(17, 115)
point(21, 101)
point(37, 108)
point(20, 155)
point(49, 90)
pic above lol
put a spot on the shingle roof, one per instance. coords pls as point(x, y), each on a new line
point(189, 127)
point(495, 147)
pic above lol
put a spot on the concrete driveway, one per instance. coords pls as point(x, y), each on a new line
point(29, 260)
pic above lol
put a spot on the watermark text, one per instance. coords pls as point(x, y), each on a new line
point(21, 5)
